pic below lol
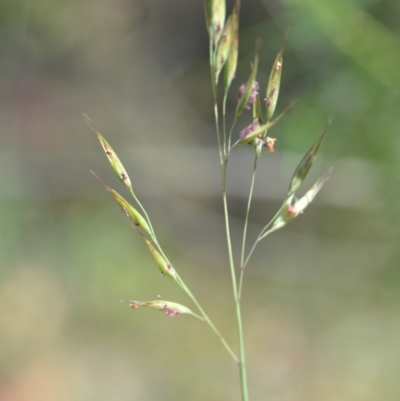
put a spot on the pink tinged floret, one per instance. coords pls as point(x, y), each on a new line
point(250, 128)
point(294, 209)
point(170, 312)
point(291, 210)
point(266, 142)
point(253, 93)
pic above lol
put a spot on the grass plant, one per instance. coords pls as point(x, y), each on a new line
point(223, 33)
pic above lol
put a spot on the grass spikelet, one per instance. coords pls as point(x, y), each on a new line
point(129, 210)
point(116, 164)
point(306, 162)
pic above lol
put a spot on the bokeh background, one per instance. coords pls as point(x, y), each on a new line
point(321, 298)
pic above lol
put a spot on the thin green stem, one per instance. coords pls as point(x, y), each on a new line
point(221, 156)
point(261, 236)
point(224, 156)
point(242, 361)
point(246, 222)
point(224, 120)
point(230, 133)
point(146, 216)
point(182, 284)
point(251, 252)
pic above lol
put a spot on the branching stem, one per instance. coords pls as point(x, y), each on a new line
point(246, 222)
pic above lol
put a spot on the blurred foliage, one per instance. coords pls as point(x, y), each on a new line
point(321, 297)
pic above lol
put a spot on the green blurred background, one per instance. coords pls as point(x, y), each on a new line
point(321, 298)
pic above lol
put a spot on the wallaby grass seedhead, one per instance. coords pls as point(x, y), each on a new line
point(223, 46)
